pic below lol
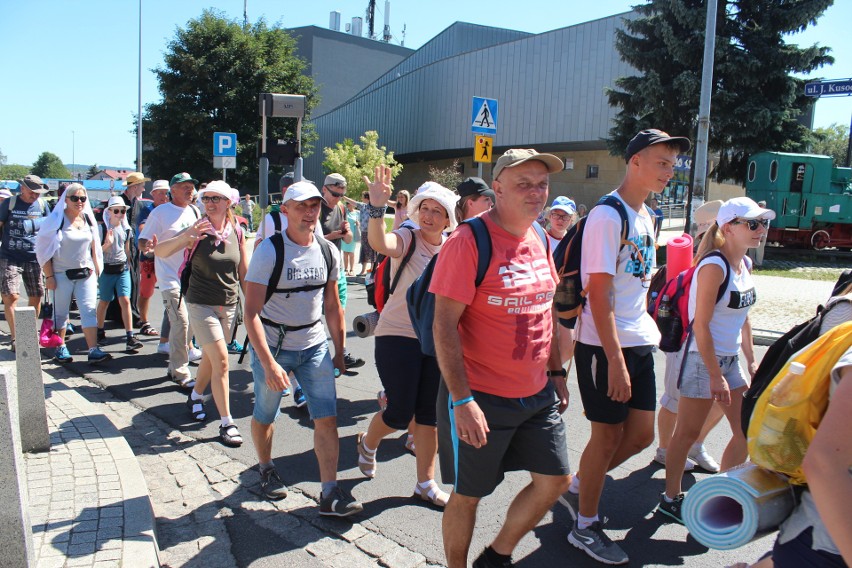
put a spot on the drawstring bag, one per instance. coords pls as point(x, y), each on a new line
point(47, 336)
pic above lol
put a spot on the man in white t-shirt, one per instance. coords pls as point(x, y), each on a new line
point(287, 335)
point(617, 337)
point(163, 223)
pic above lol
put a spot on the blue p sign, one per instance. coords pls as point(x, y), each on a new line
point(224, 144)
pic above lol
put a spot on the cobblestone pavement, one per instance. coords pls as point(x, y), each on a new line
point(196, 490)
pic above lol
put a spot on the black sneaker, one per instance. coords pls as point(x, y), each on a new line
point(101, 337)
point(133, 344)
point(339, 504)
point(672, 508)
point(484, 561)
point(271, 485)
point(352, 362)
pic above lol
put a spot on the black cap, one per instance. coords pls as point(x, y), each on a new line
point(653, 136)
point(474, 186)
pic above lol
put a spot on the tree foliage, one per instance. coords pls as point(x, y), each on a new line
point(92, 171)
point(449, 177)
point(213, 71)
point(2, 159)
point(13, 171)
point(355, 161)
point(832, 141)
point(48, 165)
point(756, 101)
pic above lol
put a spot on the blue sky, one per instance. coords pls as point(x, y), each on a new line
point(72, 66)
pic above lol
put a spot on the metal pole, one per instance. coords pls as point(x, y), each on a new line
point(73, 155)
point(139, 107)
point(263, 195)
point(224, 174)
point(702, 140)
point(849, 147)
point(297, 166)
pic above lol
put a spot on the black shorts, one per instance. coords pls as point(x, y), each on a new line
point(410, 379)
point(592, 374)
point(527, 434)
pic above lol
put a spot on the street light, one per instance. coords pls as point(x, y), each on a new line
point(139, 107)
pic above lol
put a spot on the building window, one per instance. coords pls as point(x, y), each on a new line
point(591, 171)
point(752, 167)
point(773, 170)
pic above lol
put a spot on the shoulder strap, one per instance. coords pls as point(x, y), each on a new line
point(12, 202)
point(325, 246)
point(653, 217)
point(195, 210)
point(276, 221)
point(408, 254)
point(482, 238)
point(727, 279)
point(542, 235)
point(275, 277)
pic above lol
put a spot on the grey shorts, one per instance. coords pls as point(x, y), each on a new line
point(695, 382)
point(526, 434)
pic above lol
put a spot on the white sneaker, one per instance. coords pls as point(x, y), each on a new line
point(194, 354)
point(698, 454)
point(660, 458)
point(163, 348)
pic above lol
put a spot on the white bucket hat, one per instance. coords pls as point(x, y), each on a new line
point(436, 191)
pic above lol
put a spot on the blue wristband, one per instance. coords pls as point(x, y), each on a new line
point(462, 402)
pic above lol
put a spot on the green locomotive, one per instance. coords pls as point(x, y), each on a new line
point(812, 198)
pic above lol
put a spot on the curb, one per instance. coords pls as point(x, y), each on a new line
point(139, 546)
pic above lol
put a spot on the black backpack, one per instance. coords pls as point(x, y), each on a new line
point(797, 338)
point(421, 302)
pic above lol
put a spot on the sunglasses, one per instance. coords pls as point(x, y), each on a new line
point(334, 193)
point(118, 211)
point(753, 224)
point(212, 198)
point(77, 198)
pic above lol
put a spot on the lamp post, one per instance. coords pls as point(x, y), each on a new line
point(139, 107)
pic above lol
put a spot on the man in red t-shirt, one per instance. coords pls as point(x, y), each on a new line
point(499, 406)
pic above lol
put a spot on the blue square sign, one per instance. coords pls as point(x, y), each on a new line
point(224, 144)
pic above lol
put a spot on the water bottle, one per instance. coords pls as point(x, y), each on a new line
point(665, 310)
point(670, 326)
point(780, 444)
point(652, 302)
point(783, 391)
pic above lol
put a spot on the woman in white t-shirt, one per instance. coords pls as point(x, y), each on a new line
point(409, 377)
point(710, 368)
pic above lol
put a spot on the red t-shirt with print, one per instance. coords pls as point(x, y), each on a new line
point(506, 328)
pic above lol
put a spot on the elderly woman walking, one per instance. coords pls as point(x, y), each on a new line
point(217, 260)
point(68, 249)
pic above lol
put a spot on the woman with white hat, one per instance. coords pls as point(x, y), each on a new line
point(409, 377)
point(217, 261)
point(68, 248)
point(114, 280)
point(720, 298)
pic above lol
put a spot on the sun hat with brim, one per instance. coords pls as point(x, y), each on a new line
point(517, 156)
point(217, 187)
point(116, 201)
point(705, 216)
point(301, 191)
point(182, 177)
point(160, 184)
point(436, 191)
point(135, 177)
point(742, 208)
point(34, 183)
point(564, 204)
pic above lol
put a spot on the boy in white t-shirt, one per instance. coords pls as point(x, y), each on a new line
point(617, 337)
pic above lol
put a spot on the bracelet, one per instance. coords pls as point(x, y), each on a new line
point(462, 402)
point(376, 212)
point(50, 276)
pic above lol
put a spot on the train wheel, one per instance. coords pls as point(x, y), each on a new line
point(820, 240)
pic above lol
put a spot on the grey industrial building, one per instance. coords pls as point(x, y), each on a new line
point(550, 88)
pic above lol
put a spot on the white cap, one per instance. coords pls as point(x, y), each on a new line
point(436, 191)
point(742, 208)
point(116, 201)
point(160, 184)
point(300, 191)
point(218, 187)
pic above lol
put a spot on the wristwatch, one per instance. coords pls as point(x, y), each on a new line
point(558, 373)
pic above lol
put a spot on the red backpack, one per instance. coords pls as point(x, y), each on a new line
point(378, 282)
point(671, 308)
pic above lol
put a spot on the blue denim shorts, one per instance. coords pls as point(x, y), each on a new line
point(315, 372)
point(695, 382)
point(112, 285)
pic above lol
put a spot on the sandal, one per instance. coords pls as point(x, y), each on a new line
point(409, 444)
point(366, 462)
point(146, 328)
point(433, 494)
point(230, 436)
point(196, 407)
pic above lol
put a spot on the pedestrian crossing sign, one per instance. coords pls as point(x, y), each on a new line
point(484, 116)
point(483, 148)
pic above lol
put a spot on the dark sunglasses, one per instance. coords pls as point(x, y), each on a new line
point(334, 193)
point(753, 224)
point(118, 211)
point(78, 198)
point(212, 198)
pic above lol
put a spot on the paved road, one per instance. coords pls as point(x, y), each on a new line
point(630, 496)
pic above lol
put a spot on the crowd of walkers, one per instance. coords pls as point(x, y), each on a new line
point(490, 399)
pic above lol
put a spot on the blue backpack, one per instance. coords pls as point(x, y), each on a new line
point(421, 302)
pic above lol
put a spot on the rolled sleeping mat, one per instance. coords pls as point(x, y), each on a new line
point(678, 255)
point(365, 324)
point(731, 509)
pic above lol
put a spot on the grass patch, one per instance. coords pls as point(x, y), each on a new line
point(803, 273)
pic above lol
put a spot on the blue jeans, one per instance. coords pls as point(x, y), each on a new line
point(314, 371)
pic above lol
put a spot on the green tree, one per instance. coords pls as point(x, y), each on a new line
point(354, 161)
point(213, 71)
point(13, 171)
point(832, 141)
point(2, 159)
point(48, 165)
point(448, 177)
point(93, 171)
point(756, 101)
